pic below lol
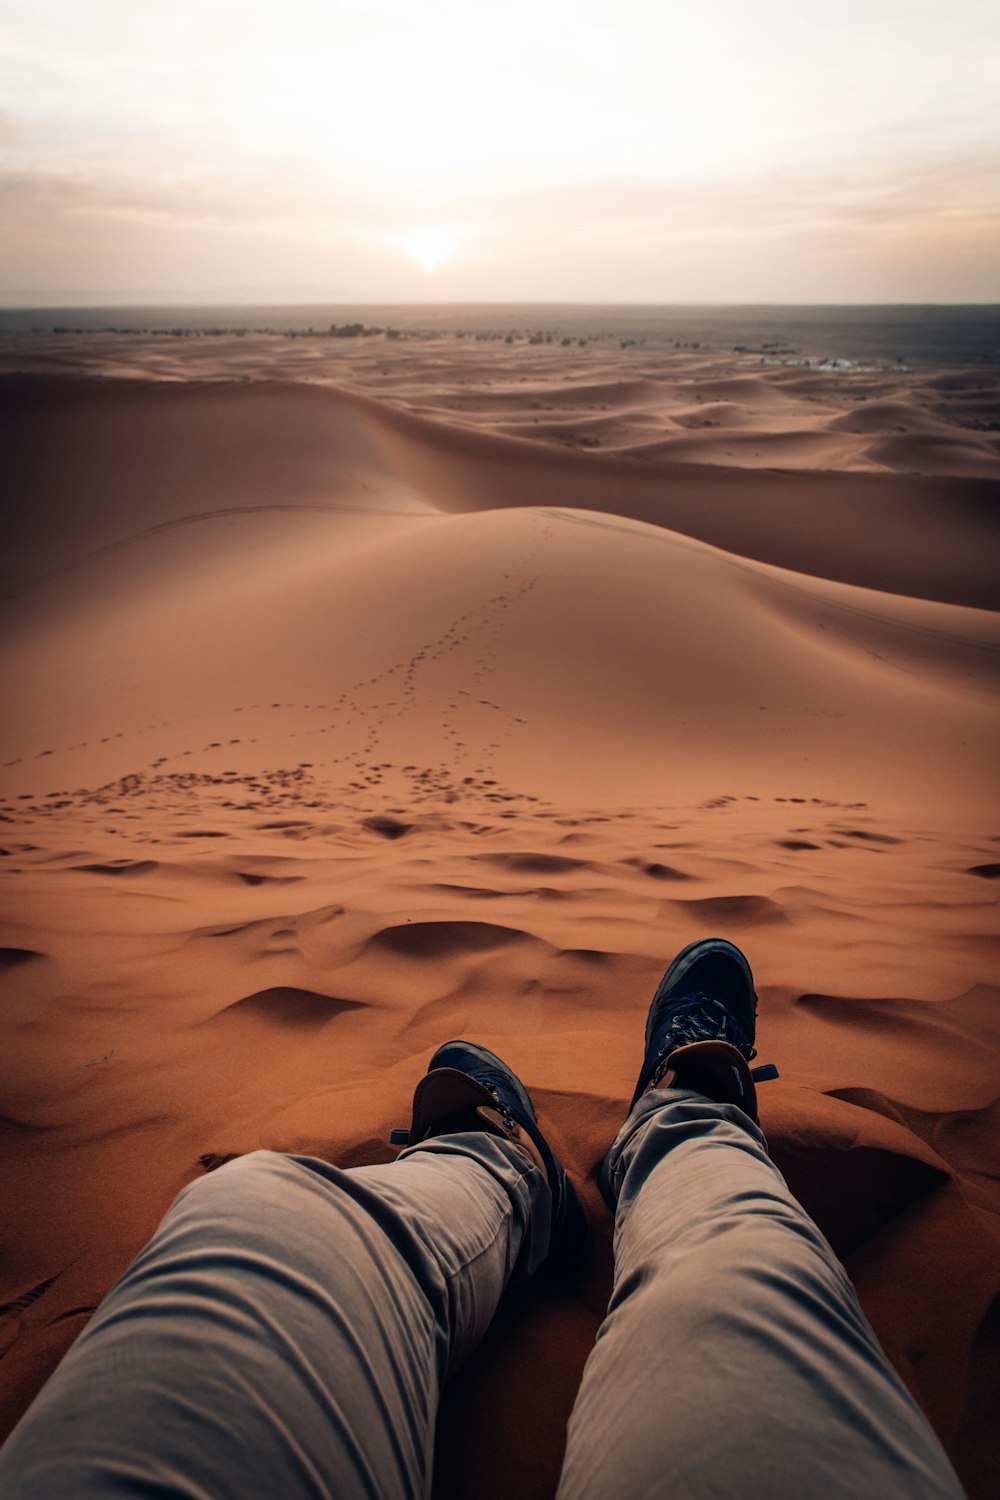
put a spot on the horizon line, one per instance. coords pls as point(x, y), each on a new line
point(199, 301)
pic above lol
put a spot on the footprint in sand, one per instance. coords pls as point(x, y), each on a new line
point(121, 867)
point(13, 958)
point(26, 1299)
point(737, 911)
point(532, 863)
point(867, 836)
point(428, 940)
point(656, 870)
point(285, 1006)
point(387, 827)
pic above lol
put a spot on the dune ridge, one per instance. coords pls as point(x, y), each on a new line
point(266, 446)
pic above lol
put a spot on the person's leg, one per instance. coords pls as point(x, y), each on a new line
point(288, 1329)
point(734, 1358)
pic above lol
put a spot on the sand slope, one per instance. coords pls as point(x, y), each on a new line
point(133, 458)
point(343, 728)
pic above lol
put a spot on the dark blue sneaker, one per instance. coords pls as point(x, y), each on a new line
point(701, 1028)
point(467, 1087)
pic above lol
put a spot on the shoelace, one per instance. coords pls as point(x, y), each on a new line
point(703, 1018)
point(508, 1119)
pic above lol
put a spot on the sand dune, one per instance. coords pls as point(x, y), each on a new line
point(342, 728)
point(339, 451)
point(800, 449)
point(933, 454)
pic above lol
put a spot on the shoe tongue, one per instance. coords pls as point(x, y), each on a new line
point(444, 1094)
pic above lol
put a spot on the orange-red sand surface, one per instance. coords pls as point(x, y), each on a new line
point(362, 697)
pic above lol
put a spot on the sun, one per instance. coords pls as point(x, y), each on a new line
point(432, 245)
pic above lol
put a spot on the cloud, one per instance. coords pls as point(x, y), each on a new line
point(848, 196)
point(796, 234)
point(193, 154)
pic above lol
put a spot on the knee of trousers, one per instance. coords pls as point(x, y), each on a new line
point(302, 1209)
point(755, 1293)
point(243, 1190)
point(248, 1173)
point(755, 1237)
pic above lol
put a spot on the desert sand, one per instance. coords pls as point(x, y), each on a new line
point(362, 697)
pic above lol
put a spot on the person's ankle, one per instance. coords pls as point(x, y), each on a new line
point(716, 1069)
point(491, 1121)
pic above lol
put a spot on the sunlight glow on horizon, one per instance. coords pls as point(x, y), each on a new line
point(544, 149)
point(432, 246)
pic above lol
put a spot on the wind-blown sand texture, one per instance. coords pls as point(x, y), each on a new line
point(362, 698)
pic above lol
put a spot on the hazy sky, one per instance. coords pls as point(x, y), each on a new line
point(437, 150)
